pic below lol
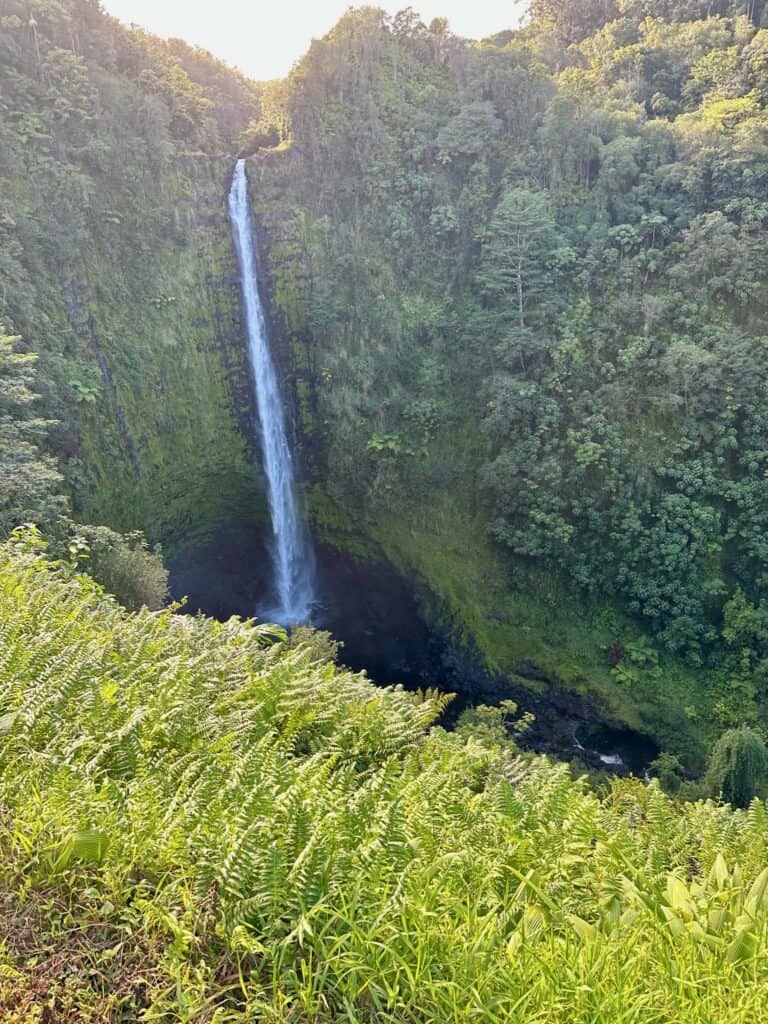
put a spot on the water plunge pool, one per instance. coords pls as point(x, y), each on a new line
point(372, 611)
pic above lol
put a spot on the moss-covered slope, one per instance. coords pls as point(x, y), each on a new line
point(117, 265)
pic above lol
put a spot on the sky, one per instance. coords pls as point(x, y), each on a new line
point(264, 38)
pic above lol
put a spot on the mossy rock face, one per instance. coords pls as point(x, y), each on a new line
point(168, 439)
point(118, 268)
point(158, 400)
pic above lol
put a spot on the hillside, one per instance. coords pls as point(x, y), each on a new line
point(516, 292)
point(516, 302)
point(116, 270)
point(204, 822)
point(524, 282)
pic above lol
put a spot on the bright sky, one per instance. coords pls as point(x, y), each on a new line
point(264, 38)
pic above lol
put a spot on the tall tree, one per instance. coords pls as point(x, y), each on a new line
point(30, 480)
point(575, 19)
point(518, 271)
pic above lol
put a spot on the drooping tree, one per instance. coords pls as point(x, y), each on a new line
point(738, 770)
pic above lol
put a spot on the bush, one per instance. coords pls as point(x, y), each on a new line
point(738, 770)
point(321, 645)
point(123, 563)
point(202, 824)
point(669, 771)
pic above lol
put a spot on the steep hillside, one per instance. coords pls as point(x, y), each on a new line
point(518, 295)
point(199, 824)
point(517, 299)
point(116, 264)
point(525, 283)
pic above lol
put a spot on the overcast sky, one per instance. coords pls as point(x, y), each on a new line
point(264, 38)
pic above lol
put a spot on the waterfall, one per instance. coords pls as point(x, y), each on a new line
point(292, 553)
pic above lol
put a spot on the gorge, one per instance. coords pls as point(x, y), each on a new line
point(566, 493)
point(438, 367)
point(368, 608)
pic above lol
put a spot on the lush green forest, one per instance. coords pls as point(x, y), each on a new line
point(525, 281)
point(115, 265)
point(516, 292)
point(516, 287)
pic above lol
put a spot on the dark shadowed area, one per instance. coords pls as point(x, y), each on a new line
point(371, 609)
point(367, 606)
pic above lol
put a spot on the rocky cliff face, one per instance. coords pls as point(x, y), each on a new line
point(167, 442)
point(117, 266)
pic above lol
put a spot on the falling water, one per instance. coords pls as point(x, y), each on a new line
point(292, 550)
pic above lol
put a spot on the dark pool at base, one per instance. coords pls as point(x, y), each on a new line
point(366, 606)
point(373, 612)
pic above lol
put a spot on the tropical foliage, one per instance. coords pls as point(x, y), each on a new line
point(519, 288)
point(519, 284)
point(203, 823)
point(31, 481)
point(525, 279)
point(114, 255)
point(738, 770)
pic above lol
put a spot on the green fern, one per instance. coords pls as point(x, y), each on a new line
point(294, 844)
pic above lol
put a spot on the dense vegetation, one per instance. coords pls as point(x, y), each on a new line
point(202, 821)
point(525, 283)
point(522, 283)
point(518, 287)
point(115, 267)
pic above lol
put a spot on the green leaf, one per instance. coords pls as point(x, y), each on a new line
point(7, 721)
point(90, 844)
point(586, 931)
point(757, 897)
point(678, 896)
point(720, 873)
point(743, 947)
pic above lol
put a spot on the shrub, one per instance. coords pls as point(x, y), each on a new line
point(123, 563)
point(198, 823)
point(738, 770)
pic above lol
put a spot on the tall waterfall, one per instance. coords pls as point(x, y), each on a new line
point(292, 552)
